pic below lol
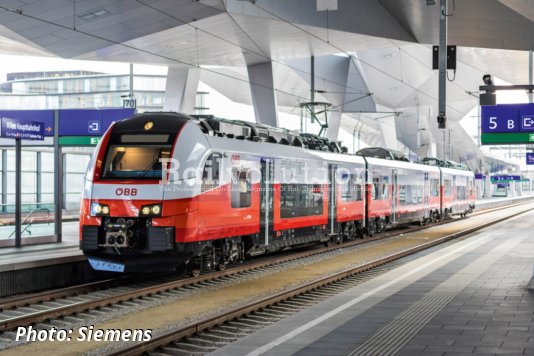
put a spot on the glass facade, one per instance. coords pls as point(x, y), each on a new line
point(95, 91)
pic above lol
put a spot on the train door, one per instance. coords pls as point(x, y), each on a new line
point(266, 200)
point(426, 195)
point(332, 201)
point(394, 197)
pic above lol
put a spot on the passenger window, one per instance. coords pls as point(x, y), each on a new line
point(210, 175)
point(447, 187)
point(298, 200)
point(434, 187)
point(241, 193)
point(376, 189)
point(351, 190)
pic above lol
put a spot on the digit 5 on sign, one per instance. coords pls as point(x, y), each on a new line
point(126, 192)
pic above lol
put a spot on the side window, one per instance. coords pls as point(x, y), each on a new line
point(447, 187)
point(297, 200)
point(241, 193)
point(385, 187)
point(351, 190)
point(434, 187)
point(460, 192)
point(376, 193)
point(211, 173)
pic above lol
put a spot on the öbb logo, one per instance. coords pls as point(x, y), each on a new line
point(126, 191)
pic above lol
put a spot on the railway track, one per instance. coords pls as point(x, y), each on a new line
point(41, 307)
point(207, 335)
point(76, 304)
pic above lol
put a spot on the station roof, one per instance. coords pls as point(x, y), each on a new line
point(388, 40)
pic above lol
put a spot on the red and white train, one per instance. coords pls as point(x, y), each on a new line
point(165, 190)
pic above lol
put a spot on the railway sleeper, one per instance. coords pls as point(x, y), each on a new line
point(254, 320)
point(180, 349)
point(258, 316)
point(209, 335)
point(247, 327)
point(202, 340)
point(234, 330)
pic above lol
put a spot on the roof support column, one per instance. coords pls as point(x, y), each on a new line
point(181, 89)
point(336, 69)
point(389, 132)
point(263, 93)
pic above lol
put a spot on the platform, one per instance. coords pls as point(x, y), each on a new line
point(469, 297)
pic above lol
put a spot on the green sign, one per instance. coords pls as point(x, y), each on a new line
point(79, 140)
point(507, 138)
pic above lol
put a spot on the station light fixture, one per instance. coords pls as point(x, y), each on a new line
point(488, 97)
point(486, 78)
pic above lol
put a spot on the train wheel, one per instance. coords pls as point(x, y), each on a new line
point(221, 266)
point(193, 268)
point(193, 271)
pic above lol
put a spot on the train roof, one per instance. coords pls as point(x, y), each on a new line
point(224, 134)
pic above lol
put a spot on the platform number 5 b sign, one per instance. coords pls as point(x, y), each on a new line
point(129, 103)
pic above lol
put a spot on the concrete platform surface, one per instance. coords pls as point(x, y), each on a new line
point(470, 297)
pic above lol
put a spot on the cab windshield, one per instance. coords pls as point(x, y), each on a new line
point(135, 161)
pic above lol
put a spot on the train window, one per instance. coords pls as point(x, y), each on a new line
point(434, 187)
point(447, 187)
point(300, 200)
point(241, 193)
point(351, 189)
point(376, 193)
point(380, 188)
point(210, 175)
point(142, 161)
point(460, 192)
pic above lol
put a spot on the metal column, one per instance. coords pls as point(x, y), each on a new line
point(18, 193)
point(58, 180)
point(4, 180)
point(443, 60)
point(530, 76)
point(38, 180)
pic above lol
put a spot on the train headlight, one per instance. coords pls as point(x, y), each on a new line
point(151, 210)
point(156, 209)
point(98, 209)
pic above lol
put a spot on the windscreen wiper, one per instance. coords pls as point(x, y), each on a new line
point(148, 168)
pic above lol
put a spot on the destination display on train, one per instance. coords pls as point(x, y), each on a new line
point(507, 124)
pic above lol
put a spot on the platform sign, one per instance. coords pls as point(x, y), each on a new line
point(530, 158)
point(25, 130)
point(507, 124)
point(78, 140)
point(89, 122)
point(44, 116)
point(503, 178)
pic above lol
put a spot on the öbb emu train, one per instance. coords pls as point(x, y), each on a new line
point(165, 190)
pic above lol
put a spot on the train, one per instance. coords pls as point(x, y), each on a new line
point(166, 191)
